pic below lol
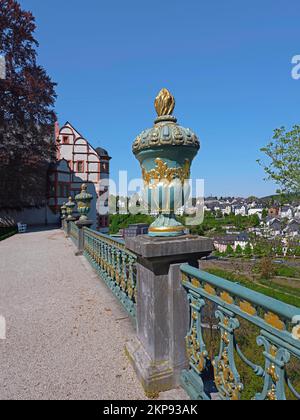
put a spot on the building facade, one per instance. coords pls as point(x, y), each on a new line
point(77, 163)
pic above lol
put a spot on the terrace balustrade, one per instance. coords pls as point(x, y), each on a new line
point(279, 339)
point(115, 265)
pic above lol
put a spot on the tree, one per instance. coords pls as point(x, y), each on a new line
point(284, 155)
point(239, 251)
point(248, 250)
point(266, 268)
point(297, 251)
point(27, 97)
point(229, 250)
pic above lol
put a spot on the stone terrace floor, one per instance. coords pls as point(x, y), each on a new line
point(65, 331)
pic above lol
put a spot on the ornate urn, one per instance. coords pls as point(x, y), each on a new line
point(63, 211)
point(83, 203)
point(165, 153)
point(70, 205)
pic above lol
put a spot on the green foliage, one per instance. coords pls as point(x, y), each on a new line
point(262, 248)
point(266, 268)
point(284, 159)
point(248, 251)
point(239, 251)
point(229, 250)
point(288, 296)
point(214, 225)
point(287, 271)
point(27, 97)
point(7, 232)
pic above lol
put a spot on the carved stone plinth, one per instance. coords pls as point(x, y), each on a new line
point(68, 221)
point(81, 224)
point(158, 354)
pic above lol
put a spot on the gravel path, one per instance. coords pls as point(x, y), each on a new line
point(65, 330)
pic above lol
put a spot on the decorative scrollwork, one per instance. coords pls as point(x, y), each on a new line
point(196, 349)
point(274, 321)
point(162, 172)
point(115, 265)
point(227, 379)
point(279, 338)
point(275, 378)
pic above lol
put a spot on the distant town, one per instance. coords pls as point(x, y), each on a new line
point(278, 224)
point(238, 226)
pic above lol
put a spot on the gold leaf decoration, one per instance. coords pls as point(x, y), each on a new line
point(274, 321)
point(195, 283)
point(272, 394)
point(247, 308)
point(272, 372)
point(210, 290)
point(164, 103)
point(162, 172)
point(185, 278)
point(227, 298)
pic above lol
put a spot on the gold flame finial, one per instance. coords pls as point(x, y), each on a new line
point(164, 103)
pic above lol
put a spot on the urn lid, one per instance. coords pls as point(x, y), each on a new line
point(166, 131)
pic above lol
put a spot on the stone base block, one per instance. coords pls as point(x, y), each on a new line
point(155, 377)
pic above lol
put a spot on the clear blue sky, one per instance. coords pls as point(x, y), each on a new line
point(228, 63)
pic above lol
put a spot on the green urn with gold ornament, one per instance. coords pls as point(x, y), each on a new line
point(70, 205)
point(83, 203)
point(63, 210)
point(165, 153)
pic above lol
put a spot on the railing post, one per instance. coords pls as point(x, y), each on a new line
point(81, 225)
point(158, 354)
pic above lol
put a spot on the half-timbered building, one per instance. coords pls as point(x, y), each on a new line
point(78, 162)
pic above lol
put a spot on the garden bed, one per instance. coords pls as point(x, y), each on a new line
point(7, 232)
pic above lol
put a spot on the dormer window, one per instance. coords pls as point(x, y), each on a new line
point(65, 139)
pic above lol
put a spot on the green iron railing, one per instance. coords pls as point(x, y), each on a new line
point(74, 233)
point(277, 340)
point(114, 264)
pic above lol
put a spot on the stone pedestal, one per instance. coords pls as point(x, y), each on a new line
point(158, 353)
point(81, 224)
point(68, 221)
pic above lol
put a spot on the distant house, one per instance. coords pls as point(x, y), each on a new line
point(293, 228)
point(297, 212)
point(241, 209)
point(286, 212)
point(77, 163)
point(241, 240)
point(258, 210)
point(221, 243)
point(275, 226)
point(273, 212)
point(226, 209)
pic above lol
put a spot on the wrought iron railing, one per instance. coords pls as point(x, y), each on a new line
point(74, 233)
point(277, 340)
point(114, 264)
